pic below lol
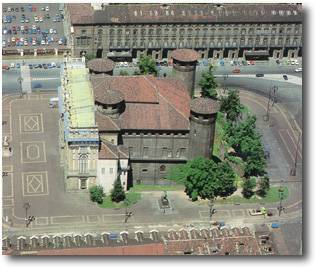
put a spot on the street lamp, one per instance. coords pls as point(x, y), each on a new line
point(293, 170)
point(281, 196)
point(26, 206)
point(211, 209)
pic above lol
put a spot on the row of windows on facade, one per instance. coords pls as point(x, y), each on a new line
point(85, 41)
point(165, 153)
point(192, 29)
point(217, 12)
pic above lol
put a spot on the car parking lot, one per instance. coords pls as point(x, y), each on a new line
point(37, 25)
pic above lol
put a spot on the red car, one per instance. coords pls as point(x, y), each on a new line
point(236, 71)
point(5, 67)
point(252, 62)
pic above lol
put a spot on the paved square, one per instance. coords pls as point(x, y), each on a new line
point(35, 183)
point(33, 152)
point(7, 184)
point(31, 123)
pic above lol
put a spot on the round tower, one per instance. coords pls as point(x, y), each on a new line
point(110, 103)
point(184, 65)
point(203, 112)
point(101, 66)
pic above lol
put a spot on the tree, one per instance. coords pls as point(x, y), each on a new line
point(231, 105)
point(254, 167)
point(248, 186)
point(123, 72)
point(205, 178)
point(264, 186)
point(208, 84)
point(117, 193)
point(96, 194)
point(90, 56)
point(147, 65)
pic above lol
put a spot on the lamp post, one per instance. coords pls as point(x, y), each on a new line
point(281, 196)
point(293, 170)
point(211, 209)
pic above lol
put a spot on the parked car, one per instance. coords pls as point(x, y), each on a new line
point(12, 65)
point(5, 67)
point(18, 65)
point(285, 77)
point(37, 85)
point(3, 43)
point(298, 70)
point(258, 211)
point(236, 71)
point(259, 75)
point(45, 66)
point(22, 9)
point(47, 8)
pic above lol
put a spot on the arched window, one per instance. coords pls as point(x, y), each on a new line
point(83, 163)
point(162, 168)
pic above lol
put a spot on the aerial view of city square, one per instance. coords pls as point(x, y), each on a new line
point(152, 129)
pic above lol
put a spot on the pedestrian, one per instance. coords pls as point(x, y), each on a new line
point(10, 149)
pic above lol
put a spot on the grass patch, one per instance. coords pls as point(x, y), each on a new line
point(143, 187)
point(132, 197)
point(271, 197)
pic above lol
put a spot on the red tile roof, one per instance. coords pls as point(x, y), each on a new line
point(147, 249)
point(80, 13)
point(106, 123)
point(186, 55)
point(101, 65)
point(151, 103)
point(204, 106)
point(111, 151)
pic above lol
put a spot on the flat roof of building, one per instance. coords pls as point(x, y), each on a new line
point(81, 98)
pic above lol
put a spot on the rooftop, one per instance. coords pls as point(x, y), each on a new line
point(185, 55)
point(80, 101)
point(204, 106)
point(150, 103)
point(187, 13)
point(111, 151)
point(103, 65)
point(110, 97)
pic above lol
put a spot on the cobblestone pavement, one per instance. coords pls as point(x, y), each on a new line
point(34, 176)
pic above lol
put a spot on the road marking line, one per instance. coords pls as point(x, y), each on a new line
point(42, 183)
point(282, 138)
point(299, 147)
point(35, 143)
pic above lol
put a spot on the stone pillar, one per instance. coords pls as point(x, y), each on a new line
point(56, 51)
point(35, 52)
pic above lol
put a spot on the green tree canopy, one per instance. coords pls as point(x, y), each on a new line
point(264, 186)
point(96, 194)
point(248, 186)
point(117, 193)
point(205, 178)
point(208, 84)
point(231, 105)
point(147, 65)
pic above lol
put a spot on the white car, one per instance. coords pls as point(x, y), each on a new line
point(3, 43)
point(25, 43)
point(34, 42)
point(51, 31)
point(41, 19)
point(34, 27)
point(298, 70)
point(47, 8)
point(35, 19)
point(43, 42)
point(12, 65)
point(53, 64)
point(22, 39)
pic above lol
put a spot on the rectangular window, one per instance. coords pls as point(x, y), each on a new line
point(145, 170)
point(145, 152)
point(178, 153)
point(169, 153)
point(111, 170)
point(131, 152)
point(164, 152)
point(182, 152)
point(103, 170)
point(83, 184)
